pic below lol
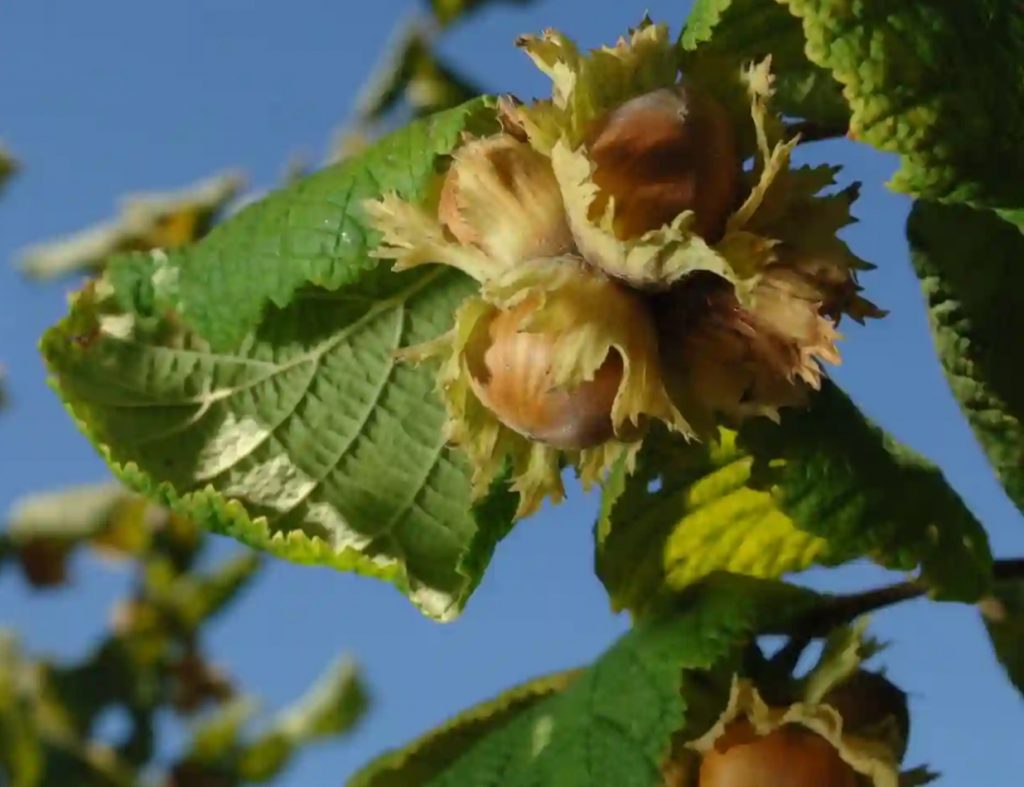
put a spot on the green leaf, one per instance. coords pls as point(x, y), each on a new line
point(971, 266)
point(748, 30)
point(310, 232)
point(1003, 614)
point(331, 707)
point(145, 221)
point(939, 82)
point(433, 753)
point(215, 380)
point(614, 723)
point(309, 441)
point(825, 486)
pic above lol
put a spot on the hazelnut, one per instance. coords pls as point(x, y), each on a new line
point(789, 756)
point(663, 153)
point(516, 385)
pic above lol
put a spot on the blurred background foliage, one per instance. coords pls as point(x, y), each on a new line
point(149, 658)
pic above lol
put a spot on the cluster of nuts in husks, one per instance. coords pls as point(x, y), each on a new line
point(631, 269)
point(853, 736)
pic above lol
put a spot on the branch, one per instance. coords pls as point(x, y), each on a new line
point(810, 131)
point(840, 610)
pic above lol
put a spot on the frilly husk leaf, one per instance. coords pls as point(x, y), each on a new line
point(501, 196)
point(585, 86)
point(657, 259)
point(872, 759)
point(660, 258)
point(591, 317)
point(412, 236)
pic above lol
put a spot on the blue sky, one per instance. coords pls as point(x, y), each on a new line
point(111, 96)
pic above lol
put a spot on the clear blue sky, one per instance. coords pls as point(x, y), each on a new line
point(110, 96)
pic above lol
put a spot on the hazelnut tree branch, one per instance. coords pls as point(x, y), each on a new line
point(841, 610)
point(810, 131)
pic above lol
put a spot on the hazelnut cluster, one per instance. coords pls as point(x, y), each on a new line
point(631, 269)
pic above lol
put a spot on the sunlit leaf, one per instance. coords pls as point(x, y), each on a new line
point(309, 442)
point(825, 486)
point(306, 438)
point(311, 232)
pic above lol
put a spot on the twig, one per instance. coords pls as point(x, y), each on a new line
point(1009, 569)
point(840, 610)
point(810, 131)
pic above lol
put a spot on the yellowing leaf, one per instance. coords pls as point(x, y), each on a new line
point(824, 486)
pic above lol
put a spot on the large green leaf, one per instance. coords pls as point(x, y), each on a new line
point(433, 753)
point(971, 265)
point(751, 29)
point(295, 429)
point(309, 441)
point(825, 486)
point(311, 232)
point(939, 82)
point(615, 722)
point(1004, 617)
